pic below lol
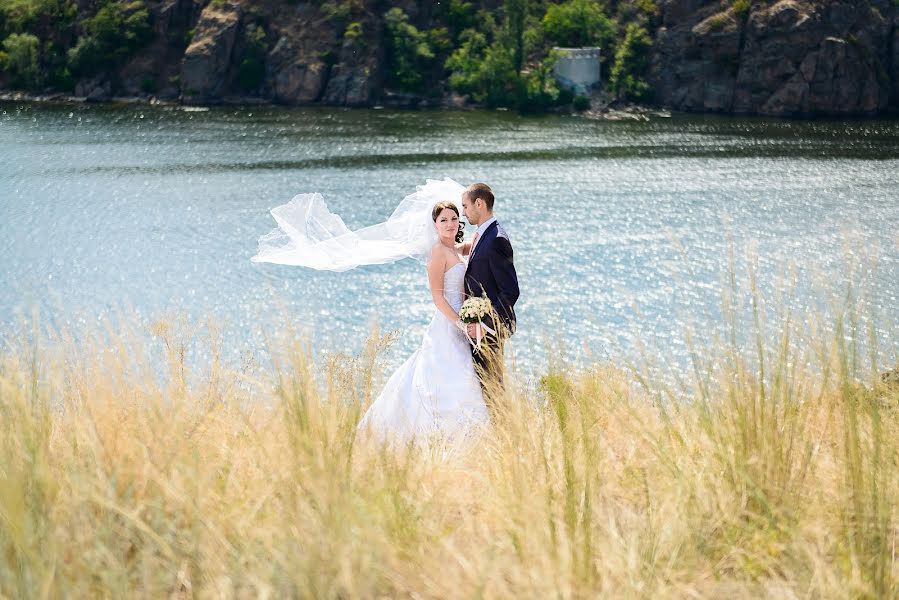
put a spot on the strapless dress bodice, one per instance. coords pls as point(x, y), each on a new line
point(454, 286)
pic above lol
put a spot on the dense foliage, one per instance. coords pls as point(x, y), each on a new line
point(501, 56)
point(20, 57)
point(45, 44)
point(410, 52)
point(579, 23)
point(31, 55)
point(630, 63)
point(505, 59)
point(113, 34)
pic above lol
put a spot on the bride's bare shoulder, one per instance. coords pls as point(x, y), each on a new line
point(439, 252)
point(464, 248)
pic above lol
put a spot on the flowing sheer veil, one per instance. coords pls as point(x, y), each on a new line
point(309, 235)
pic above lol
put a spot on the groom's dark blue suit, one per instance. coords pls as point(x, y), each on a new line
point(491, 271)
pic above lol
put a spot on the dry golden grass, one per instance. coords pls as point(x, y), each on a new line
point(119, 481)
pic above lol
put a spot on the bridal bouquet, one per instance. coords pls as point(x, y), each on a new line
point(474, 310)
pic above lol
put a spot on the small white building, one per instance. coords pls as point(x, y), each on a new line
point(577, 69)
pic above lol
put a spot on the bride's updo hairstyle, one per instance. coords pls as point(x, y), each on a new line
point(439, 208)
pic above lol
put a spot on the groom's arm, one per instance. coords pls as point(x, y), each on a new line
point(503, 269)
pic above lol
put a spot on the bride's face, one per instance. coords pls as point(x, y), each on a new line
point(447, 224)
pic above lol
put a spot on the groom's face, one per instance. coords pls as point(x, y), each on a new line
point(470, 210)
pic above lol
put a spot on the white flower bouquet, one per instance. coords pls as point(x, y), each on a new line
point(474, 310)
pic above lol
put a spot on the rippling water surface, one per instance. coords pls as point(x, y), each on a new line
point(620, 229)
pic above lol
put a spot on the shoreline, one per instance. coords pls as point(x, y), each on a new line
point(613, 111)
point(599, 110)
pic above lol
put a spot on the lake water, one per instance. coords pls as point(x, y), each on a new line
point(620, 229)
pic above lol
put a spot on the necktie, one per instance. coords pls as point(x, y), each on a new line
point(474, 240)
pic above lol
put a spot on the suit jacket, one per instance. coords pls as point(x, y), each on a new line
point(491, 271)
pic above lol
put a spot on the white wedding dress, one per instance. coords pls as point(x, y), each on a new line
point(436, 391)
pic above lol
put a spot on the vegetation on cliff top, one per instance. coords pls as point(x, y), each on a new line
point(499, 57)
point(49, 44)
point(505, 58)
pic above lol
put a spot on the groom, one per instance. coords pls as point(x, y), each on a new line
point(490, 272)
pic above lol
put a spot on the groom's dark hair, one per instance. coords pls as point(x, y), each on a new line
point(482, 191)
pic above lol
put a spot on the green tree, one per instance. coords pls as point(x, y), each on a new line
point(579, 23)
point(489, 72)
point(486, 72)
point(516, 12)
point(112, 35)
point(409, 52)
point(459, 15)
point(39, 17)
point(538, 89)
point(630, 64)
point(22, 60)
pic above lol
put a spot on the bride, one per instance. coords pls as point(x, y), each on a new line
point(436, 390)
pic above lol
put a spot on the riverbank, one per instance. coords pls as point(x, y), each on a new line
point(600, 108)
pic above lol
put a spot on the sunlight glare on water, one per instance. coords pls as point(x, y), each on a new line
point(620, 229)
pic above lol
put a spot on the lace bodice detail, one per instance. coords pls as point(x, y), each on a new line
point(454, 286)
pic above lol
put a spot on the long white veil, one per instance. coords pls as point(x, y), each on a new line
point(309, 235)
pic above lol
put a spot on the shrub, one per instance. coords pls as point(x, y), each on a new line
point(22, 60)
point(717, 22)
point(630, 64)
point(741, 7)
point(578, 23)
point(353, 31)
point(581, 103)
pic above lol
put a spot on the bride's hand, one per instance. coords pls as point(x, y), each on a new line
point(460, 325)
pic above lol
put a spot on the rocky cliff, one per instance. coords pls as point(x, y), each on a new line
point(201, 53)
point(784, 58)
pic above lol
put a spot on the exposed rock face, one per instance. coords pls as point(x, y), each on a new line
point(351, 79)
point(310, 59)
point(695, 63)
point(294, 77)
point(894, 61)
point(786, 58)
point(770, 57)
point(96, 89)
point(207, 59)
